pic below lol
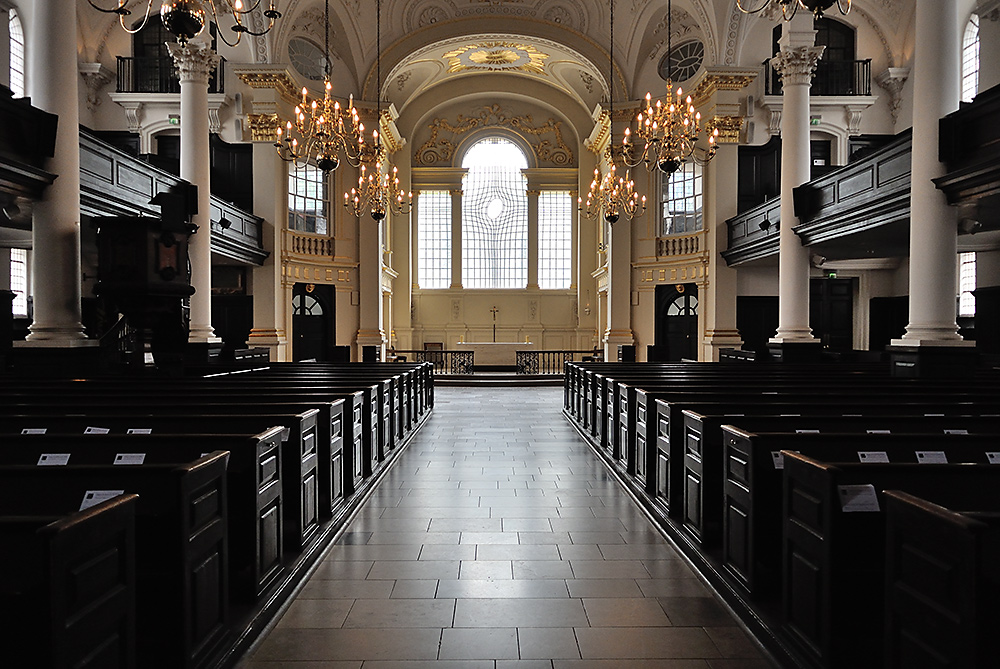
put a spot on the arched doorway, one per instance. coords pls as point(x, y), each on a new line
point(677, 322)
point(312, 322)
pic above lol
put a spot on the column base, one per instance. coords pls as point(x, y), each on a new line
point(79, 358)
point(932, 362)
point(795, 351)
point(717, 340)
point(273, 340)
point(58, 335)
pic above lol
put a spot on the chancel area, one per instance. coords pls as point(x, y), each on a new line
point(752, 246)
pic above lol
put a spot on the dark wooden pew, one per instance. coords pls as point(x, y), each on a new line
point(67, 583)
point(834, 549)
point(258, 512)
point(942, 587)
point(182, 579)
point(749, 498)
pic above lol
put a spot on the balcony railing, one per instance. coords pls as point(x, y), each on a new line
point(158, 75)
point(850, 77)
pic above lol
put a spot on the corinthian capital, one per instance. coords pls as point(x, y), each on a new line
point(796, 65)
point(194, 61)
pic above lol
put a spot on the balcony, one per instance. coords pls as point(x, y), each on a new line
point(836, 78)
point(158, 75)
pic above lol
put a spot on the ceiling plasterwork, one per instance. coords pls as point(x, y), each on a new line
point(496, 57)
point(446, 135)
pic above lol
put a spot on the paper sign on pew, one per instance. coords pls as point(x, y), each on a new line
point(95, 497)
point(873, 456)
point(53, 459)
point(34, 430)
point(858, 498)
point(932, 457)
point(130, 458)
point(139, 430)
point(993, 457)
point(97, 430)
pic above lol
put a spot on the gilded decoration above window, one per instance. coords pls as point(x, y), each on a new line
point(546, 140)
point(496, 56)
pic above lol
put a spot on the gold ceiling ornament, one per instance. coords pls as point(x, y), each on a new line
point(713, 83)
point(437, 149)
point(279, 80)
point(496, 56)
point(262, 127)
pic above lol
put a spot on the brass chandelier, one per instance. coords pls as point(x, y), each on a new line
point(790, 7)
point(611, 195)
point(185, 19)
point(669, 130)
point(324, 130)
point(378, 188)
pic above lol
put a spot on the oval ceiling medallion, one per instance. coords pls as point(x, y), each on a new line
point(496, 56)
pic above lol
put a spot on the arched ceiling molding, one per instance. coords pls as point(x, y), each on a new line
point(685, 29)
point(417, 45)
point(308, 23)
point(651, 23)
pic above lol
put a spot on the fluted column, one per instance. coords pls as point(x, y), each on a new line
point(795, 64)
point(533, 196)
point(53, 80)
point(933, 236)
point(195, 62)
point(456, 239)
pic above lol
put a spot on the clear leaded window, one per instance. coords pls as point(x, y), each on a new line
point(308, 200)
point(681, 200)
point(555, 240)
point(434, 239)
point(970, 59)
point(494, 216)
point(16, 54)
point(966, 284)
point(19, 281)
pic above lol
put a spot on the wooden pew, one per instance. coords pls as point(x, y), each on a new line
point(258, 511)
point(942, 587)
point(182, 584)
point(67, 583)
point(750, 498)
point(834, 549)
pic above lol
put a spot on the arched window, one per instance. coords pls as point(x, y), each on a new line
point(308, 199)
point(494, 216)
point(16, 55)
point(555, 240)
point(970, 59)
point(306, 305)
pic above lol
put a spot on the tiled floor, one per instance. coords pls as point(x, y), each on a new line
point(499, 541)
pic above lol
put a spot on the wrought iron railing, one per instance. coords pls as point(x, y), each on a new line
point(550, 362)
point(158, 75)
point(444, 362)
point(846, 77)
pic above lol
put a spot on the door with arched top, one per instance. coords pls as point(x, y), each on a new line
point(677, 322)
point(312, 322)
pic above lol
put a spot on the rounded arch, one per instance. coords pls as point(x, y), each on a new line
point(485, 134)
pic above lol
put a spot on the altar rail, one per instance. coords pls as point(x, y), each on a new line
point(550, 362)
point(444, 362)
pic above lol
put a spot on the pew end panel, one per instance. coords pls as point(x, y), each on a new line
point(942, 586)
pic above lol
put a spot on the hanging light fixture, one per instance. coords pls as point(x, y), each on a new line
point(669, 130)
point(185, 19)
point(790, 7)
point(322, 131)
point(610, 195)
point(378, 188)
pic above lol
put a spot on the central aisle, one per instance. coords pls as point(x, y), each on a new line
point(499, 540)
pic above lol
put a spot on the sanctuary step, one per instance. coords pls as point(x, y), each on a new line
point(487, 379)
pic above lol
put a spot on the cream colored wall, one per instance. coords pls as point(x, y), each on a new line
point(547, 318)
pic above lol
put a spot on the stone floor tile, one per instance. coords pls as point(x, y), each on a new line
point(486, 570)
point(350, 644)
point(417, 569)
point(547, 643)
point(733, 642)
point(473, 644)
point(624, 612)
point(401, 613)
point(414, 589)
point(520, 613)
point(645, 643)
point(505, 589)
point(317, 613)
point(695, 611)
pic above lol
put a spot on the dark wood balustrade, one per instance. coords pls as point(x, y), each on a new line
point(159, 75)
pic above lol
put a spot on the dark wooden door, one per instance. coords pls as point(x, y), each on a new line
point(831, 312)
point(312, 322)
point(677, 322)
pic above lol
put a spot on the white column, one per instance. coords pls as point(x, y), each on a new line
point(533, 239)
point(195, 62)
point(795, 63)
point(456, 239)
point(718, 302)
point(933, 235)
point(53, 81)
point(269, 309)
point(370, 332)
point(619, 330)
